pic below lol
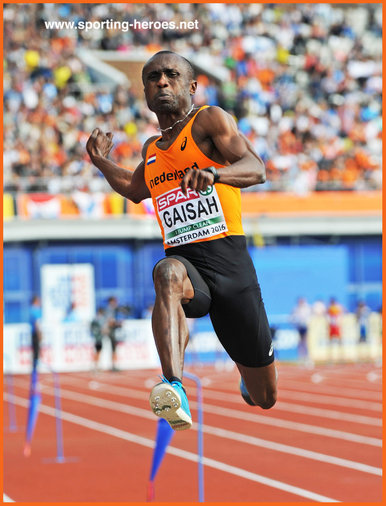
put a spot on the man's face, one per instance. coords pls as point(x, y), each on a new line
point(167, 83)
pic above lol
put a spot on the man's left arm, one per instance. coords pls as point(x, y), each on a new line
point(244, 166)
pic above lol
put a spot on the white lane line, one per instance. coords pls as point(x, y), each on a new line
point(324, 389)
point(329, 413)
point(270, 445)
point(283, 406)
point(373, 376)
point(215, 464)
point(7, 499)
point(285, 394)
point(306, 410)
point(360, 381)
point(355, 371)
point(253, 417)
point(302, 427)
point(315, 397)
point(280, 405)
point(329, 399)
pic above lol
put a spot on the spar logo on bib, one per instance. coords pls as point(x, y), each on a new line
point(188, 218)
point(206, 192)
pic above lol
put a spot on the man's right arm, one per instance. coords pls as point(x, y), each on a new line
point(130, 185)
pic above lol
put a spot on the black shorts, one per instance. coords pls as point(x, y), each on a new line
point(232, 297)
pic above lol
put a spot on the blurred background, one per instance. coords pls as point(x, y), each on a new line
point(304, 83)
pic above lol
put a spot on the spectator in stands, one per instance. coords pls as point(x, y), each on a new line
point(305, 85)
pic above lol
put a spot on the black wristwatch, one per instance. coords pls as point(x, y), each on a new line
point(213, 171)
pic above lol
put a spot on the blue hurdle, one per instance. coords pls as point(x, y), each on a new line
point(200, 434)
point(164, 435)
point(58, 420)
point(11, 395)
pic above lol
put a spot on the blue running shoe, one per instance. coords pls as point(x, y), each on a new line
point(169, 401)
point(244, 393)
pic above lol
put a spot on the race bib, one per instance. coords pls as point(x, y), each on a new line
point(191, 217)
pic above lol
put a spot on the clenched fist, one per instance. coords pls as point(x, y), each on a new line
point(198, 180)
point(99, 144)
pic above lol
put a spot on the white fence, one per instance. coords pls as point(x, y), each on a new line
point(348, 349)
point(70, 347)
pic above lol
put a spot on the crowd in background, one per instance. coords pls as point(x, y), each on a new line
point(304, 84)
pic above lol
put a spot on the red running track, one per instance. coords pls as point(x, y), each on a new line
point(320, 443)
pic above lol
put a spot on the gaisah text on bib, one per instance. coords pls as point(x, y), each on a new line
point(191, 217)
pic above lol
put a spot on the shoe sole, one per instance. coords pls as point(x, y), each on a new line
point(166, 403)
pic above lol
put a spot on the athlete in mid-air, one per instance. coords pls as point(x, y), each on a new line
point(193, 171)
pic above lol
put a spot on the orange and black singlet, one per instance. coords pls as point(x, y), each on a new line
point(199, 216)
point(203, 231)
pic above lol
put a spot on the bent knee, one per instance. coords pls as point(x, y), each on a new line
point(267, 401)
point(168, 273)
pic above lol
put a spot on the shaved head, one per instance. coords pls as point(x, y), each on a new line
point(191, 76)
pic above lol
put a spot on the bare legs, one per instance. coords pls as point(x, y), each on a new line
point(261, 384)
point(171, 334)
point(170, 329)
